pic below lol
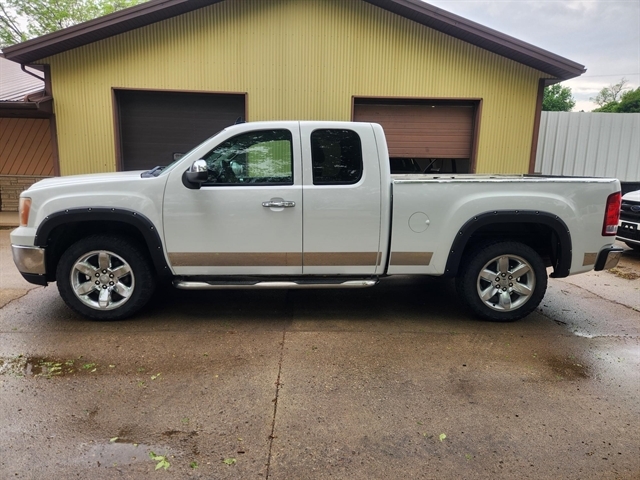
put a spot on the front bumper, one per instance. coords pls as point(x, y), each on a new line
point(629, 231)
point(31, 263)
point(608, 258)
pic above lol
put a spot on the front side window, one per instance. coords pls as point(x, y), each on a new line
point(260, 157)
point(336, 157)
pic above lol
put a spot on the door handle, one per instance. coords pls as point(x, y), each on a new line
point(279, 204)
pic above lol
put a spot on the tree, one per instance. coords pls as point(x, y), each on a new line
point(610, 94)
point(557, 99)
point(21, 20)
point(610, 107)
point(620, 101)
point(630, 102)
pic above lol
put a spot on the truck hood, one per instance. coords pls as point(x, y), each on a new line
point(88, 180)
point(632, 196)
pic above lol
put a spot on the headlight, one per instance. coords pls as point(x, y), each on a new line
point(24, 209)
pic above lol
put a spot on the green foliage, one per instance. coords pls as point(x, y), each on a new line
point(21, 20)
point(610, 94)
point(629, 103)
point(161, 459)
point(558, 99)
point(607, 108)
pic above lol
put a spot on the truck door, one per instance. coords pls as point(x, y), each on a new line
point(342, 195)
point(246, 219)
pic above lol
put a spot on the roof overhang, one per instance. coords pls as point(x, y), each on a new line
point(416, 10)
point(483, 37)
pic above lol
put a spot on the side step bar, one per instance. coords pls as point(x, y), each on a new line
point(227, 285)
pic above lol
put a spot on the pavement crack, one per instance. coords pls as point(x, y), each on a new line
point(14, 295)
point(275, 402)
point(630, 307)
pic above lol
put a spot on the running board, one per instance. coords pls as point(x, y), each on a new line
point(227, 285)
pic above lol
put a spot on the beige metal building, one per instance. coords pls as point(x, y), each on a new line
point(142, 86)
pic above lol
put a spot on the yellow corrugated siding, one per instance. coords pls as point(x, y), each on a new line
point(296, 59)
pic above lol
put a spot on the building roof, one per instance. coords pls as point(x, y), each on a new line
point(15, 85)
point(416, 10)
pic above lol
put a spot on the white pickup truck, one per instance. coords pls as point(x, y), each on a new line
point(309, 205)
point(629, 228)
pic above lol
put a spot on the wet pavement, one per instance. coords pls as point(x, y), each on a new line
point(393, 381)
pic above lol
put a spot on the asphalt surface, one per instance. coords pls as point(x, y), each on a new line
point(396, 381)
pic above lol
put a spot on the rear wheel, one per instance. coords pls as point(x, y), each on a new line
point(502, 281)
point(105, 277)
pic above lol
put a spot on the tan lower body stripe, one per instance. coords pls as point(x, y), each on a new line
point(321, 259)
point(235, 259)
point(411, 258)
point(312, 259)
point(589, 259)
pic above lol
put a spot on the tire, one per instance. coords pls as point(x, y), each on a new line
point(105, 277)
point(489, 286)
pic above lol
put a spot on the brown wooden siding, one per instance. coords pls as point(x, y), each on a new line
point(423, 131)
point(25, 147)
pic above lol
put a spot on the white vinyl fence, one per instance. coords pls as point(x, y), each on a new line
point(590, 144)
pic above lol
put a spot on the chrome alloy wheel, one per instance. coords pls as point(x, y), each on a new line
point(506, 282)
point(102, 280)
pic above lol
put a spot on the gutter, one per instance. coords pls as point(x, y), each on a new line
point(41, 107)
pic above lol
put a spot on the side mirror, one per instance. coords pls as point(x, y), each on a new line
point(196, 174)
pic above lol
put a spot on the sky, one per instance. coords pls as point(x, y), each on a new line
point(602, 35)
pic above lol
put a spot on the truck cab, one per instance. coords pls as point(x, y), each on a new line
point(285, 199)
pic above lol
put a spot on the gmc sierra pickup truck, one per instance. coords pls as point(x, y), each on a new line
point(309, 205)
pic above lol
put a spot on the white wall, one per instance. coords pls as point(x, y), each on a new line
point(590, 144)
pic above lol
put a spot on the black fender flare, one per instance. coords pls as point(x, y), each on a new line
point(563, 265)
point(91, 214)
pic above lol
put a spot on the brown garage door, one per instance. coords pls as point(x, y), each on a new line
point(157, 127)
point(424, 131)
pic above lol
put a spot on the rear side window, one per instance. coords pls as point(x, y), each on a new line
point(336, 157)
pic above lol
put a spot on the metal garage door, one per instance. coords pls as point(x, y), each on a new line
point(429, 133)
point(157, 127)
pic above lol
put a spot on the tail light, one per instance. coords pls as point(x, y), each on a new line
point(24, 208)
point(611, 215)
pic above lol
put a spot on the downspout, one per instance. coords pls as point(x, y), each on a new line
point(536, 126)
point(23, 68)
point(52, 119)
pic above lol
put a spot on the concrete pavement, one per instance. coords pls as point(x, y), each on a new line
point(12, 285)
point(390, 382)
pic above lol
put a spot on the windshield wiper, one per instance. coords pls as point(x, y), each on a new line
point(154, 172)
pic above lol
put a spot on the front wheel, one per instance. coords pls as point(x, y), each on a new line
point(503, 281)
point(105, 277)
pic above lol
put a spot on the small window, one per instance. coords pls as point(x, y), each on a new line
point(336, 157)
point(261, 157)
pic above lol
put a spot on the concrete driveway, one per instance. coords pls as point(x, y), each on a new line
point(391, 382)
